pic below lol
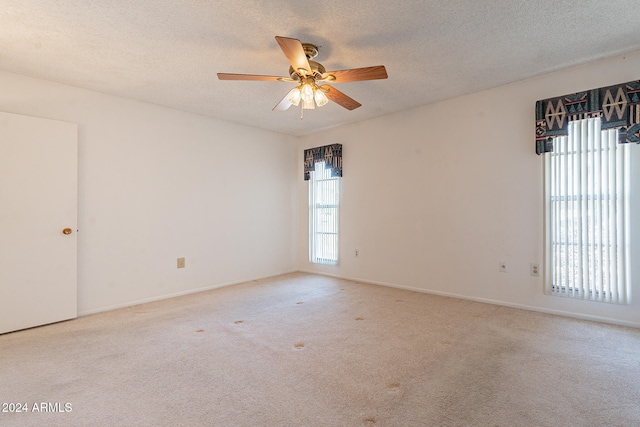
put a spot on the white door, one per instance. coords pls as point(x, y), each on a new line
point(38, 200)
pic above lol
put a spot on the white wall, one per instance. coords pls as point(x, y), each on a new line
point(435, 197)
point(156, 184)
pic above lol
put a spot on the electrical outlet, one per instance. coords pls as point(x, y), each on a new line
point(180, 262)
point(534, 269)
point(357, 253)
point(503, 267)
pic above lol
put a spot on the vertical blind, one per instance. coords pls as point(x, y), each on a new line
point(587, 185)
point(324, 200)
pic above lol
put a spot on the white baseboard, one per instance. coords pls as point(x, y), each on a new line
point(580, 316)
point(176, 294)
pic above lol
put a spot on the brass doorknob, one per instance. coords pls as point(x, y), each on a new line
point(67, 231)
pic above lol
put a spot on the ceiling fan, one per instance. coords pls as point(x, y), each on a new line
point(312, 77)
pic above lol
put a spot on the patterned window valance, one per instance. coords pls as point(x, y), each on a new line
point(618, 106)
point(330, 154)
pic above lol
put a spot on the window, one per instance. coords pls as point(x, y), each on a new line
point(324, 202)
point(587, 214)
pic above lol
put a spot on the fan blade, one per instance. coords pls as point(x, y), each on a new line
point(340, 98)
point(284, 104)
point(294, 52)
point(357, 74)
point(228, 76)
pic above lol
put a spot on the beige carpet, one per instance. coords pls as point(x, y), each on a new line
point(304, 350)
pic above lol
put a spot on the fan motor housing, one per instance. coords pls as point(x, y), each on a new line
point(316, 68)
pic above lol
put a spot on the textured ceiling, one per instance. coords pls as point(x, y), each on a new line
point(168, 52)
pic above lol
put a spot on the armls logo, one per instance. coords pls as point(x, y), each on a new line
point(51, 407)
point(15, 407)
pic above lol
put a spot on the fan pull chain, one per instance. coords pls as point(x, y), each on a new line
point(301, 112)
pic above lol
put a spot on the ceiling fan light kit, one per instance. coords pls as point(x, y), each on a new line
point(309, 93)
